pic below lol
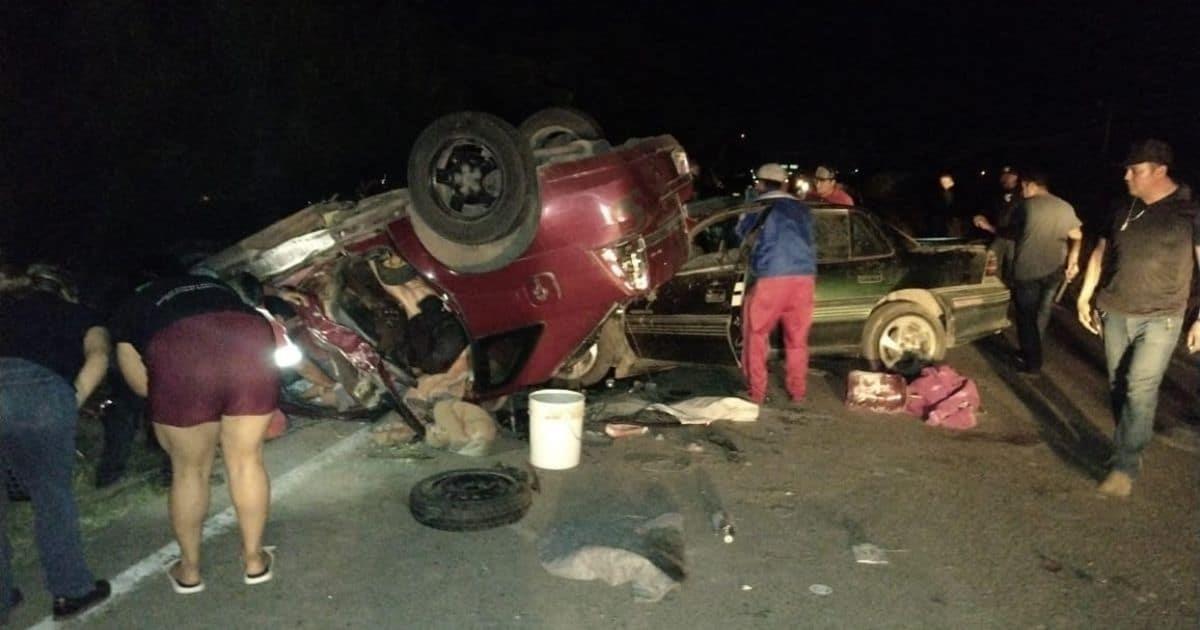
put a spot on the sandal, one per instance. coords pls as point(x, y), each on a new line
point(179, 587)
point(267, 573)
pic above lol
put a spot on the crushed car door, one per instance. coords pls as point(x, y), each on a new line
point(690, 318)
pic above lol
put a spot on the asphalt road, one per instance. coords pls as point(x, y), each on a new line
point(998, 527)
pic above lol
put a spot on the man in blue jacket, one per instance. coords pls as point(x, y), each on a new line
point(783, 268)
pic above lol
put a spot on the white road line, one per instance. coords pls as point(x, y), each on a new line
point(219, 523)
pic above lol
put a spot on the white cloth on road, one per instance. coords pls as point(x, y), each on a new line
point(707, 409)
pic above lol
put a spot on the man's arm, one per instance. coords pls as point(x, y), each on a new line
point(1193, 336)
point(96, 348)
point(132, 369)
point(1075, 236)
point(1091, 277)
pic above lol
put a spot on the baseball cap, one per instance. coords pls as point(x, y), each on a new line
point(1150, 150)
point(772, 172)
point(824, 172)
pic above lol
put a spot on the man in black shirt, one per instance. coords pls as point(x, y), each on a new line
point(1143, 266)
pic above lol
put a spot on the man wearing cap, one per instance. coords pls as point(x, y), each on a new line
point(783, 267)
point(828, 188)
point(1142, 265)
point(1000, 215)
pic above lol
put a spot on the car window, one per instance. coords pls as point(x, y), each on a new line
point(865, 239)
point(832, 237)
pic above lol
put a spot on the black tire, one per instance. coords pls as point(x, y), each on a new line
point(470, 499)
point(609, 346)
point(923, 335)
point(478, 258)
point(472, 179)
point(558, 125)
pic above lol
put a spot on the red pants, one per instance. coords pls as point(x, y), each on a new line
point(787, 300)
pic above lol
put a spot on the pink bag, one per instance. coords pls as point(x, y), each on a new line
point(875, 391)
point(943, 397)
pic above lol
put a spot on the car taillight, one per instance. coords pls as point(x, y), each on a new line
point(679, 157)
point(991, 268)
point(627, 262)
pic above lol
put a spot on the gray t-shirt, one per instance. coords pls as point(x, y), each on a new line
point(1042, 242)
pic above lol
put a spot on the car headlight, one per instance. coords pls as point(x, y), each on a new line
point(627, 262)
point(679, 157)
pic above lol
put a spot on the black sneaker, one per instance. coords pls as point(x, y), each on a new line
point(67, 607)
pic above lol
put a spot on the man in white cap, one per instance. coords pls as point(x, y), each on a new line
point(828, 188)
point(783, 268)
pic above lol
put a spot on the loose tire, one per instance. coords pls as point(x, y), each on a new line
point(899, 328)
point(472, 180)
point(604, 354)
point(559, 125)
point(470, 499)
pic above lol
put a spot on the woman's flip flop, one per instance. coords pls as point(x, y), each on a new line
point(181, 588)
point(267, 573)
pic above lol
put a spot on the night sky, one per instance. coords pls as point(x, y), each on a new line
point(130, 126)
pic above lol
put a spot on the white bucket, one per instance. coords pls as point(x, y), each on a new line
point(555, 428)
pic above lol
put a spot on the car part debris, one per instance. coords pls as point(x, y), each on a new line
point(866, 553)
point(649, 554)
point(732, 452)
point(625, 430)
point(471, 499)
point(723, 526)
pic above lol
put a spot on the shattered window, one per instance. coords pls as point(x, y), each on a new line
point(832, 237)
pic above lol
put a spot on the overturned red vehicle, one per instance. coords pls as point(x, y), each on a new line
point(534, 238)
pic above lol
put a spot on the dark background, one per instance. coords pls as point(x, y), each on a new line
point(133, 126)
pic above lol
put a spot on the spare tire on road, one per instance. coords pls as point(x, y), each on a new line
point(473, 182)
point(470, 499)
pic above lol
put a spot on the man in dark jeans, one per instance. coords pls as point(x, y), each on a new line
point(1143, 266)
point(1047, 232)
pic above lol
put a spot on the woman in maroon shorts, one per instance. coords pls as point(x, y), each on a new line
point(204, 361)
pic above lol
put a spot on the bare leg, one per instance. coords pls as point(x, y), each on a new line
point(191, 450)
point(249, 487)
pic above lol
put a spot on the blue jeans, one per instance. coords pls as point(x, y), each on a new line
point(37, 442)
point(1034, 300)
point(1138, 351)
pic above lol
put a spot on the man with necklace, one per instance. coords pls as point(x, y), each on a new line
point(1142, 265)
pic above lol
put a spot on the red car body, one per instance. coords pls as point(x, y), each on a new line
point(600, 215)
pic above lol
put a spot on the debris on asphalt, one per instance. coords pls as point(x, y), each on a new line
point(462, 428)
point(660, 463)
point(866, 553)
point(722, 525)
point(820, 589)
point(708, 409)
point(392, 430)
point(747, 587)
point(406, 452)
point(615, 430)
point(694, 447)
point(649, 554)
point(732, 452)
